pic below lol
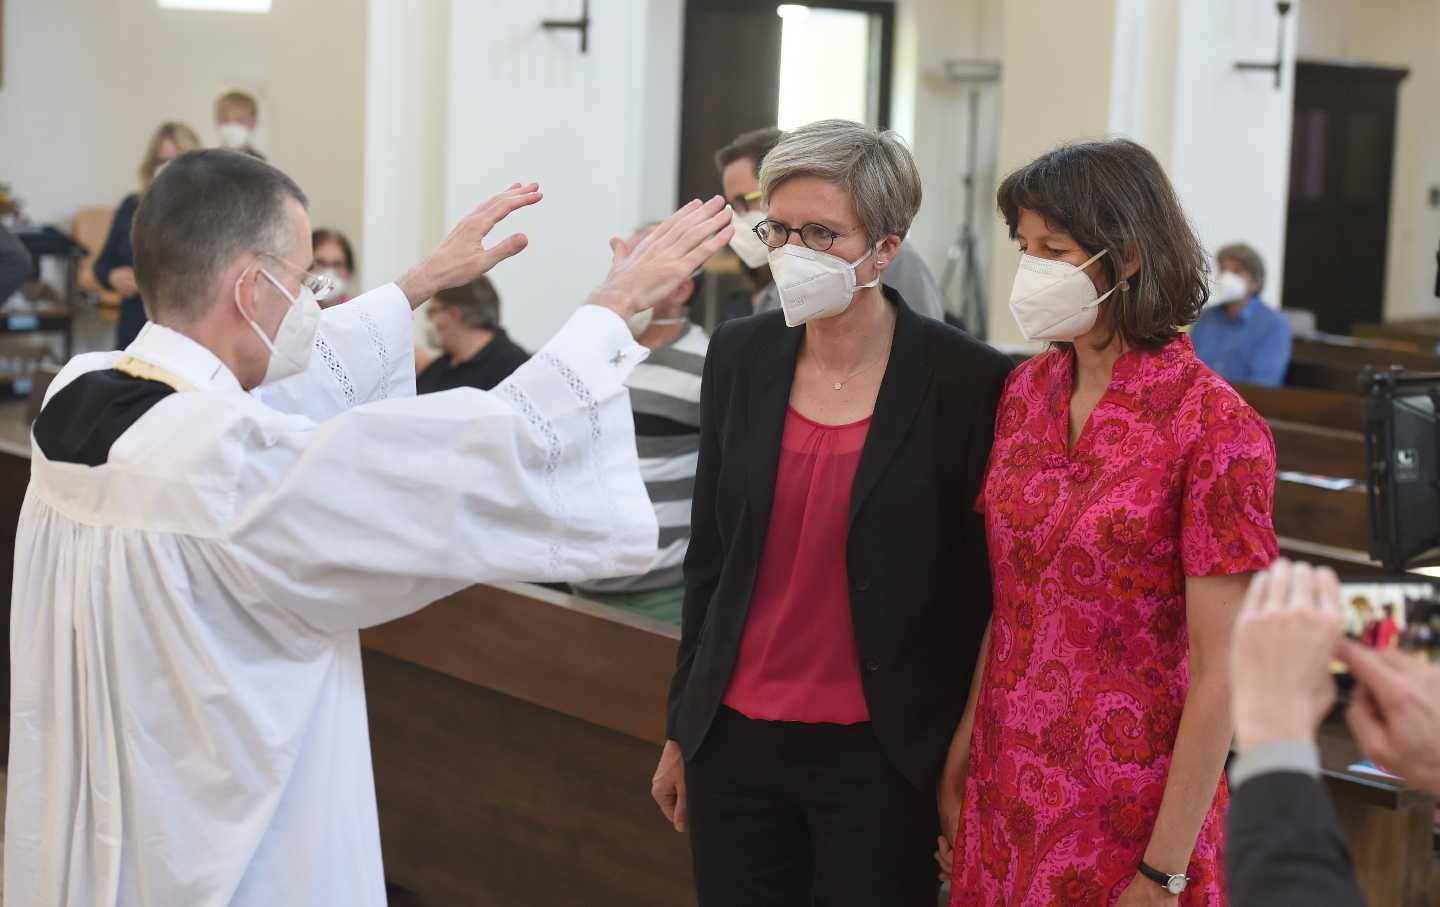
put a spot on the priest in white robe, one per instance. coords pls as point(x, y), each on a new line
point(215, 512)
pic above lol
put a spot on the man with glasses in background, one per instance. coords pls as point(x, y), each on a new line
point(739, 165)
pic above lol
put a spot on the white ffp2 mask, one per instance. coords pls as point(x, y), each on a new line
point(751, 249)
point(1229, 287)
point(1054, 300)
point(294, 340)
point(234, 136)
point(815, 285)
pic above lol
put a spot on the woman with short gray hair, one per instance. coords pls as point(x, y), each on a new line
point(837, 583)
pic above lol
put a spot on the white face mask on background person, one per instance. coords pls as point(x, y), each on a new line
point(814, 285)
point(1229, 287)
point(1055, 300)
point(294, 339)
point(751, 248)
point(234, 135)
point(338, 284)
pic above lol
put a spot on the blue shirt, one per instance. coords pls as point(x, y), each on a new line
point(1251, 348)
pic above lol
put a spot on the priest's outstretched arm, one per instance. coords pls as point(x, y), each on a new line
point(394, 503)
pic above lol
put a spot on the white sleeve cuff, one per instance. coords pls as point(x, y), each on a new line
point(1300, 756)
point(597, 344)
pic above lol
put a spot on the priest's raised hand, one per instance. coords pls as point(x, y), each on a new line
point(214, 512)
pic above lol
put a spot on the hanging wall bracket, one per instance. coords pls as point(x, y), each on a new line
point(1278, 66)
point(581, 25)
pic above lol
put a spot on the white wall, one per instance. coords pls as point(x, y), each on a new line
point(1057, 88)
point(932, 112)
point(87, 82)
point(1231, 141)
point(1402, 33)
point(598, 131)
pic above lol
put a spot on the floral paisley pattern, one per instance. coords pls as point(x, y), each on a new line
point(1173, 476)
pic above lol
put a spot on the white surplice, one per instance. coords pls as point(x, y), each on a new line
point(188, 718)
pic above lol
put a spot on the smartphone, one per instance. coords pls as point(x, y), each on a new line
point(1389, 612)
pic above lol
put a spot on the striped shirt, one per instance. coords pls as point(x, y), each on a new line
point(665, 396)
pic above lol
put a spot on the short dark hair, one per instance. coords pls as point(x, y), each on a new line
point(1114, 195)
point(1246, 257)
point(754, 144)
point(326, 234)
point(200, 212)
point(477, 302)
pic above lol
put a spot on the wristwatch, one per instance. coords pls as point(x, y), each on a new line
point(1175, 884)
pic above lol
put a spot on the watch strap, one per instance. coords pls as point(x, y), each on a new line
point(1159, 878)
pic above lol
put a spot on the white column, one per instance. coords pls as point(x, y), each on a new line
point(405, 90)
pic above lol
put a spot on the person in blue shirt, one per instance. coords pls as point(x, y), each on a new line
point(1244, 340)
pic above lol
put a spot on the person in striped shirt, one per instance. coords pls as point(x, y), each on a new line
point(665, 397)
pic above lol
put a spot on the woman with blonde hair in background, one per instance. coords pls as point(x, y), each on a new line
point(115, 265)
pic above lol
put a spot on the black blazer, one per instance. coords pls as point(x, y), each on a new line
point(918, 568)
point(1284, 847)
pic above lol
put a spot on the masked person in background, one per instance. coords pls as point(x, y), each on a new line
point(193, 562)
point(1244, 340)
point(739, 164)
point(1128, 500)
point(334, 260)
point(475, 351)
point(237, 113)
point(836, 583)
point(115, 265)
point(665, 395)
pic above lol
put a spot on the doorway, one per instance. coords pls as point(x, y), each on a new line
point(755, 63)
point(1342, 155)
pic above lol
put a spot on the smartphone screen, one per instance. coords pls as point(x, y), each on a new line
point(1393, 613)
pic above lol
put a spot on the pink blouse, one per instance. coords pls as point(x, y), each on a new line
point(798, 660)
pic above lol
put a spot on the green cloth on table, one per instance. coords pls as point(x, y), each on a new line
point(657, 604)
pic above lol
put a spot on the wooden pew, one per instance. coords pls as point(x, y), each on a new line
point(1318, 432)
point(1390, 828)
point(1423, 333)
point(514, 732)
point(1336, 364)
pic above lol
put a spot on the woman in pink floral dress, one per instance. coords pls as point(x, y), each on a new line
point(1128, 499)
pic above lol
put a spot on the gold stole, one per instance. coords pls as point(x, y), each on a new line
point(146, 371)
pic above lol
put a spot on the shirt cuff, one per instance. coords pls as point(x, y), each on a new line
point(1298, 756)
point(598, 344)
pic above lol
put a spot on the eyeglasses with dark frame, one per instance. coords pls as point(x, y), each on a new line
point(775, 234)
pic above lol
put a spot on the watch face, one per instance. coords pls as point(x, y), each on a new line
point(1177, 884)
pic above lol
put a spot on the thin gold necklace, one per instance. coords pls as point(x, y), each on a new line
point(840, 385)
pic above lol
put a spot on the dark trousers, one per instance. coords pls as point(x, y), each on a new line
point(783, 814)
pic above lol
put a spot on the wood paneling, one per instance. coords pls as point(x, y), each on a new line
point(572, 656)
point(14, 477)
point(490, 801)
point(1339, 519)
point(515, 730)
point(1321, 451)
point(1329, 409)
point(1390, 827)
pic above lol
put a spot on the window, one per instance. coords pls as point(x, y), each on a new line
point(224, 6)
point(832, 64)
